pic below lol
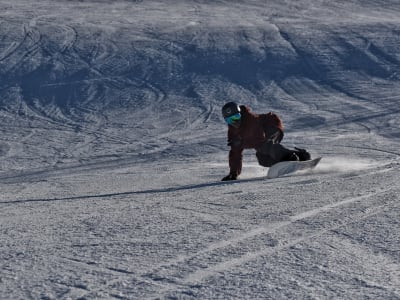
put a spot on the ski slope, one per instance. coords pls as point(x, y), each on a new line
point(112, 149)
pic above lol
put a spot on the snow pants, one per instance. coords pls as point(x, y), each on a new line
point(272, 152)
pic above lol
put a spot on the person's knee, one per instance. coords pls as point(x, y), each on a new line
point(264, 160)
point(266, 147)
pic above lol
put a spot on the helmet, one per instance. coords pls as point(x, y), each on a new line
point(231, 114)
point(229, 109)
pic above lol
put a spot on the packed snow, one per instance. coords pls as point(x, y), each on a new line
point(112, 149)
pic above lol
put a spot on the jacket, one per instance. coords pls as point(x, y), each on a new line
point(254, 130)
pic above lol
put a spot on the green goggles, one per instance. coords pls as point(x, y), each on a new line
point(232, 119)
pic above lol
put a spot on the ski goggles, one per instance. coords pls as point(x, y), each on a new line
point(232, 119)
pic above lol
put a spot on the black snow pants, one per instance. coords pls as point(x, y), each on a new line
point(272, 152)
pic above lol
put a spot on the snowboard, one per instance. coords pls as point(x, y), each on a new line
point(289, 167)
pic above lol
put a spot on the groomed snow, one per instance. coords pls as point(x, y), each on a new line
point(112, 149)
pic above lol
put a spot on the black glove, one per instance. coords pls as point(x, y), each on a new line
point(229, 177)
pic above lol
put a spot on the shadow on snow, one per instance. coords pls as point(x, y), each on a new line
point(149, 191)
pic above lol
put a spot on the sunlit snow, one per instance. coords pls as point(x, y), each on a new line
point(112, 148)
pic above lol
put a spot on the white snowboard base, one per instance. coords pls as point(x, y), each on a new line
point(289, 167)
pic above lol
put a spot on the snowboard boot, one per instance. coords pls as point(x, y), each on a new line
point(291, 157)
point(302, 154)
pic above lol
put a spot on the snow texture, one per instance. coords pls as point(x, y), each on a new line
point(112, 149)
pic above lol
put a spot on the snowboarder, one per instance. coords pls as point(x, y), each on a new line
point(262, 132)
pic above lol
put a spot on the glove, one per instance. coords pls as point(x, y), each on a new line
point(229, 177)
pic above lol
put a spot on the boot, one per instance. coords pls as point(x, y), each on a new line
point(302, 154)
point(291, 157)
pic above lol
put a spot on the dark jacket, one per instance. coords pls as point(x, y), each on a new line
point(254, 130)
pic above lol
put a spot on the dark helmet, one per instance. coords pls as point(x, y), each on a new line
point(230, 109)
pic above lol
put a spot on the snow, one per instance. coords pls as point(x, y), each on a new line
point(112, 149)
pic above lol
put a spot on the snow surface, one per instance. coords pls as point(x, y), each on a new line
point(112, 148)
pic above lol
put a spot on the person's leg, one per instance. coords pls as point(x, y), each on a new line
point(264, 160)
point(273, 152)
point(276, 152)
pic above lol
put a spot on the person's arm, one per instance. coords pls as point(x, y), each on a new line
point(235, 162)
point(273, 127)
point(235, 157)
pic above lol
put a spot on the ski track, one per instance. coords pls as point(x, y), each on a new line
point(203, 273)
point(199, 275)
